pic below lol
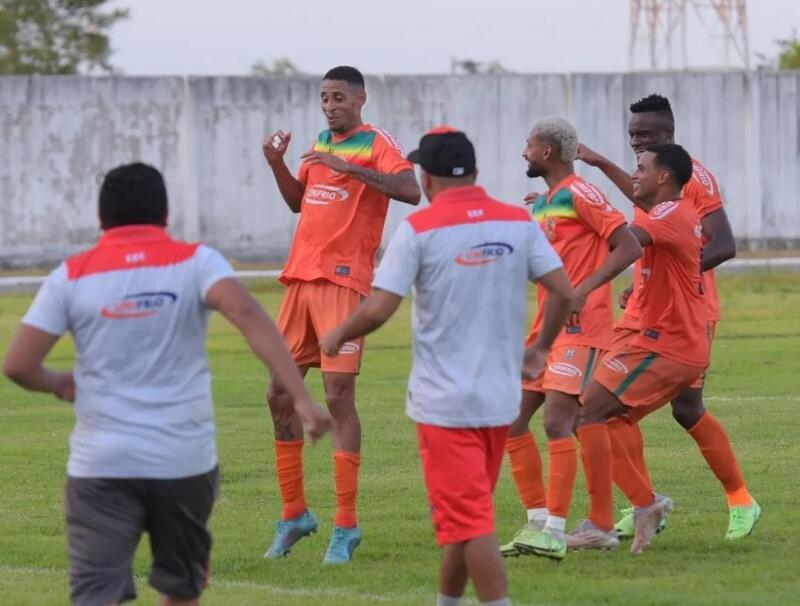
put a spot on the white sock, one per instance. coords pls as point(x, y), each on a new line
point(500, 602)
point(537, 514)
point(443, 600)
point(556, 525)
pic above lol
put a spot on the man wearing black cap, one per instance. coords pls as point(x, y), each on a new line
point(469, 258)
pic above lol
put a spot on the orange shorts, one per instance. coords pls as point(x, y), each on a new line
point(625, 332)
point(640, 377)
point(568, 370)
point(461, 467)
point(309, 311)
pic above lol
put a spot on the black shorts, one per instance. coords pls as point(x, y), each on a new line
point(105, 518)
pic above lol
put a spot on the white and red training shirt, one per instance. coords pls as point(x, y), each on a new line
point(469, 259)
point(134, 305)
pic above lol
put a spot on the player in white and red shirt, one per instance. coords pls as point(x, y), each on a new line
point(468, 259)
point(143, 454)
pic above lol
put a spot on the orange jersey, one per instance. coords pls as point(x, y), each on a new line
point(674, 312)
point(578, 220)
point(702, 190)
point(341, 218)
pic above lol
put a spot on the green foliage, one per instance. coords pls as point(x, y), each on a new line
point(282, 66)
point(789, 57)
point(55, 36)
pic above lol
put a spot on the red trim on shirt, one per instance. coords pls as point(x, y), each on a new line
point(130, 247)
point(462, 206)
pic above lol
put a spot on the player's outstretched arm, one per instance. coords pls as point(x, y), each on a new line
point(618, 176)
point(24, 364)
point(561, 296)
point(721, 244)
point(274, 149)
point(625, 249)
point(232, 300)
point(370, 315)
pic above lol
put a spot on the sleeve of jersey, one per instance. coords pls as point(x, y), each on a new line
point(706, 200)
point(48, 312)
point(601, 217)
point(542, 258)
point(387, 155)
point(400, 263)
point(211, 268)
point(661, 230)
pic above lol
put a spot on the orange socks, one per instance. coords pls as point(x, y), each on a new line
point(716, 448)
point(346, 465)
point(561, 478)
point(627, 440)
point(596, 456)
point(526, 468)
point(289, 465)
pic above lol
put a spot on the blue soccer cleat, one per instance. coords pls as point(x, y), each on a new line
point(289, 532)
point(343, 543)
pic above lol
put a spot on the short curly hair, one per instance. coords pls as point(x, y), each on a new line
point(560, 134)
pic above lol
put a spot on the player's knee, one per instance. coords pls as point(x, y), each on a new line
point(557, 426)
point(278, 399)
point(687, 409)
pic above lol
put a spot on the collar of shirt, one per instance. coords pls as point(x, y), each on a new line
point(129, 234)
point(338, 138)
point(565, 182)
point(460, 194)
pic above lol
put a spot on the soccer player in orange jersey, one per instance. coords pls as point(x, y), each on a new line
point(652, 122)
point(342, 193)
point(668, 354)
point(595, 245)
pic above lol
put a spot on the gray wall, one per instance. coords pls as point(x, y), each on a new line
point(61, 133)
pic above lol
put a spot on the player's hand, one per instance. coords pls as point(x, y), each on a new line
point(624, 296)
point(588, 155)
point(330, 344)
point(316, 421)
point(576, 306)
point(329, 160)
point(65, 387)
point(274, 147)
point(533, 362)
point(531, 198)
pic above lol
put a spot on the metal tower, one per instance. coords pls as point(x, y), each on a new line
point(659, 32)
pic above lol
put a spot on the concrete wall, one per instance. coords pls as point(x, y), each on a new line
point(60, 134)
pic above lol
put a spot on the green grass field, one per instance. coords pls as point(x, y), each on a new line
point(753, 389)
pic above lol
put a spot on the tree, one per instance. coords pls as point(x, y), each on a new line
point(789, 57)
point(280, 67)
point(472, 67)
point(788, 54)
point(55, 36)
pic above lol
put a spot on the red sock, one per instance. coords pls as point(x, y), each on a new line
point(526, 468)
point(346, 465)
point(561, 477)
point(289, 466)
point(596, 456)
point(624, 440)
point(716, 448)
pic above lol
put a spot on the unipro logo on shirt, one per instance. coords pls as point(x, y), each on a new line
point(483, 254)
point(139, 305)
point(322, 195)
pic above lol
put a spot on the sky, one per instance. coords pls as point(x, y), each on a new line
point(225, 37)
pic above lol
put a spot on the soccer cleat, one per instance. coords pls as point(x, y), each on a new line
point(343, 543)
point(588, 536)
point(742, 521)
point(288, 532)
point(542, 543)
point(625, 527)
point(646, 522)
point(509, 550)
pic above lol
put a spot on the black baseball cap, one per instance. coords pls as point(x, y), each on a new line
point(445, 152)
